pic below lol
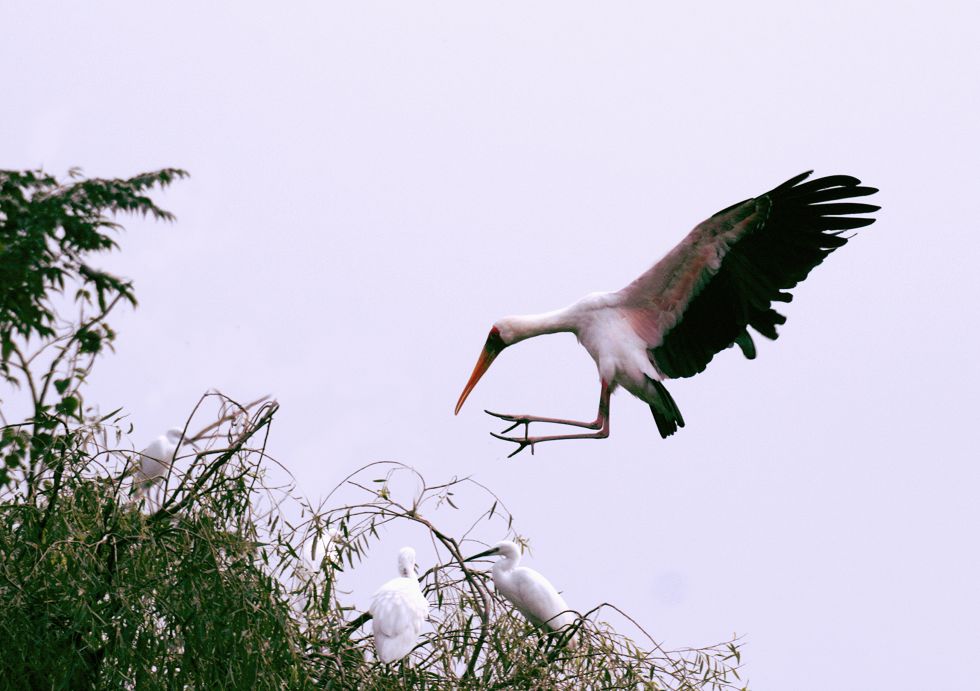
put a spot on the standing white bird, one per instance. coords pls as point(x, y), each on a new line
point(156, 459)
point(398, 610)
point(695, 302)
point(530, 592)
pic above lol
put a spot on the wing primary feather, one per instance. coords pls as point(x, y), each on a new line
point(792, 181)
point(840, 193)
point(747, 345)
point(844, 208)
point(824, 183)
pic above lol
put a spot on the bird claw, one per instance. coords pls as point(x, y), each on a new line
point(521, 443)
point(527, 427)
point(516, 419)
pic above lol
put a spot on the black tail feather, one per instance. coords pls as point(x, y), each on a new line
point(665, 411)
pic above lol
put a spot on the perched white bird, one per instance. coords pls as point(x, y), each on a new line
point(530, 592)
point(155, 460)
point(701, 298)
point(398, 610)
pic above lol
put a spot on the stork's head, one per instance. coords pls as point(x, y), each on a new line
point(496, 341)
point(175, 434)
point(406, 563)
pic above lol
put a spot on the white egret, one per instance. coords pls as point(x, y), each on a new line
point(701, 298)
point(156, 459)
point(398, 610)
point(531, 593)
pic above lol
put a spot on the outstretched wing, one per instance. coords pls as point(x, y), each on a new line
point(724, 276)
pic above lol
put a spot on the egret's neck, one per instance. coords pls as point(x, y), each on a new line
point(519, 327)
point(406, 565)
point(507, 564)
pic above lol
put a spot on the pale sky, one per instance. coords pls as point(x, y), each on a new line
point(373, 184)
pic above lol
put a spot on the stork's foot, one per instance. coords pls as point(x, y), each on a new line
point(525, 420)
point(526, 441)
point(521, 443)
point(518, 420)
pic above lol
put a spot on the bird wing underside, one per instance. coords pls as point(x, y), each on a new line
point(724, 276)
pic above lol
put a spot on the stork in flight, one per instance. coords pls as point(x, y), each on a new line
point(698, 300)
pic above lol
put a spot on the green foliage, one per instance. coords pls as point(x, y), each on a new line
point(99, 592)
point(216, 577)
point(47, 229)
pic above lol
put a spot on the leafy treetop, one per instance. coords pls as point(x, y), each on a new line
point(47, 230)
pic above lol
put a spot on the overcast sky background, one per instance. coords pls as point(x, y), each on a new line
point(373, 184)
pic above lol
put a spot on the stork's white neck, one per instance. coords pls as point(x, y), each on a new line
point(519, 327)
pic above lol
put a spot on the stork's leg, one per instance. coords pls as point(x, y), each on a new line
point(527, 419)
point(601, 424)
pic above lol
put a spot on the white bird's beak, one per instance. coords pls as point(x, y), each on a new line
point(489, 552)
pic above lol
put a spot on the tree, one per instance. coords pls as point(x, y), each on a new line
point(48, 230)
point(217, 584)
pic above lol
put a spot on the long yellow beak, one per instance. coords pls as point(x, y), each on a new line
point(492, 348)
